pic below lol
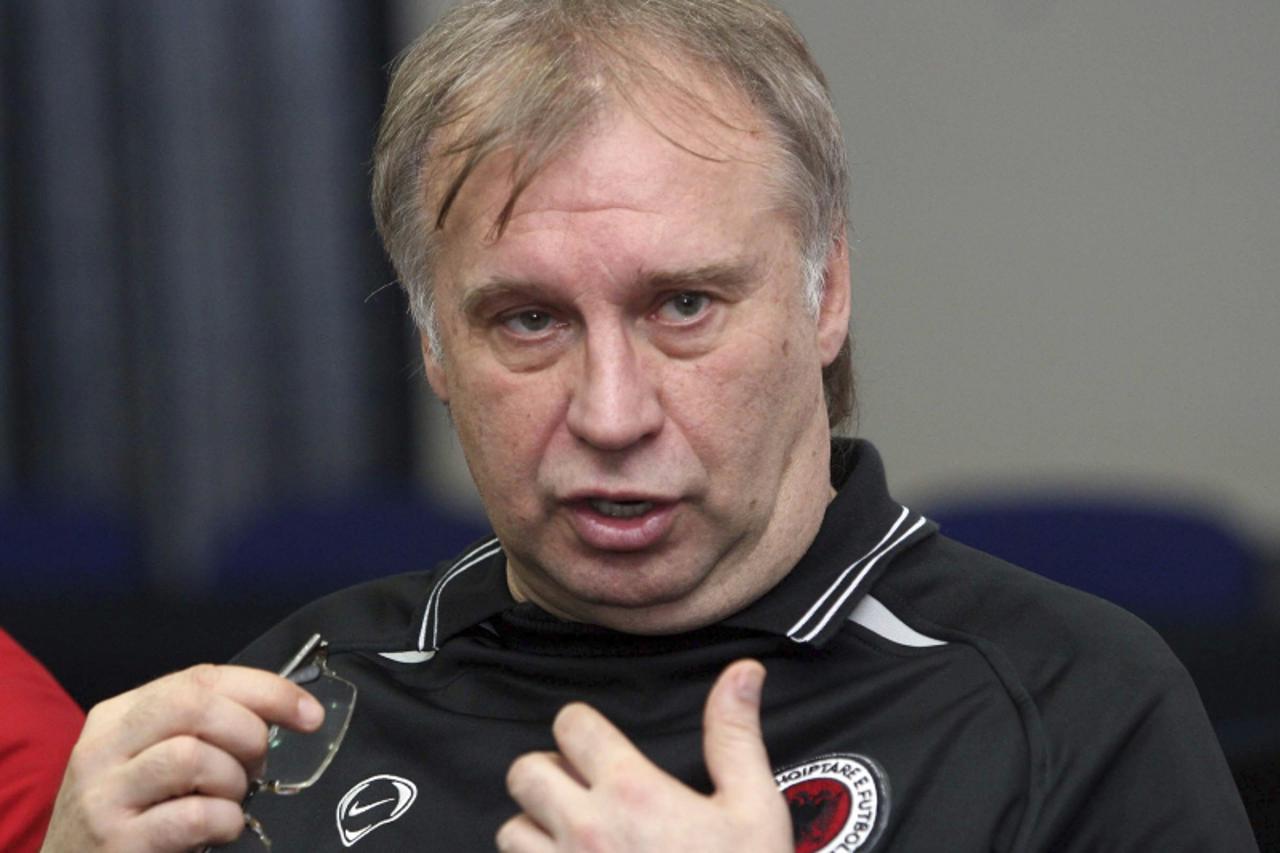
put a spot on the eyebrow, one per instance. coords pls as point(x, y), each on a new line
point(733, 276)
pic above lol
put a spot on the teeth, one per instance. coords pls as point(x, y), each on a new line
point(621, 509)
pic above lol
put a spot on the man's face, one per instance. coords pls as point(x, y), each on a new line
point(634, 377)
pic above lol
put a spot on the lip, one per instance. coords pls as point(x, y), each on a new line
point(606, 533)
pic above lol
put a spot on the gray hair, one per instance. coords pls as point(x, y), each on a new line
point(524, 76)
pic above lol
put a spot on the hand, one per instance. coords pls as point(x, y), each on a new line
point(165, 767)
point(600, 794)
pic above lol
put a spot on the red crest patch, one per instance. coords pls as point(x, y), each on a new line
point(839, 803)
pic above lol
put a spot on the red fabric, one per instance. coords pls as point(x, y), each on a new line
point(39, 723)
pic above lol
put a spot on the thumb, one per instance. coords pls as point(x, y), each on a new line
point(731, 739)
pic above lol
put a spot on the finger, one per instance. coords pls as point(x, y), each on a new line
point(178, 767)
point(222, 724)
point(522, 834)
point(732, 742)
point(547, 788)
point(592, 744)
point(186, 823)
point(214, 703)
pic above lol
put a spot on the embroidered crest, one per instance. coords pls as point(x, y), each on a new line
point(839, 803)
point(372, 803)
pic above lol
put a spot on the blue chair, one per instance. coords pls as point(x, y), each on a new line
point(54, 550)
point(1164, 562)
point(300, 550)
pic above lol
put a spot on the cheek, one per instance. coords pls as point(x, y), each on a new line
point(503, 424)
point(753, 394)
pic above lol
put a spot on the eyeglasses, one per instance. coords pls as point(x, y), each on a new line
point(296, 760)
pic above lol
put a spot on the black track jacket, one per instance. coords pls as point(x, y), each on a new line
point(921, 696)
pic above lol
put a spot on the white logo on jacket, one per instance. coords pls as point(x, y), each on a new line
point(375, 802)
point(839, 803)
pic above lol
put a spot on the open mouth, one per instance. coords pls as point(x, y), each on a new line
point(620, 509)
point(619, 524)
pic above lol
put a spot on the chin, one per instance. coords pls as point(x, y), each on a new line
point(613, 591)
point(632, 593)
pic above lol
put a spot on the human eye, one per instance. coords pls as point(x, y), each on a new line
point(684, 307)
point(530, 323)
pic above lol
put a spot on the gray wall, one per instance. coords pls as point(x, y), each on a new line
point(1067, 238)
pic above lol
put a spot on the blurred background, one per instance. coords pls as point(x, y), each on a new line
point(1066, 279)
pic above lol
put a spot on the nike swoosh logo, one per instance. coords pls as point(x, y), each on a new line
point(356, 809)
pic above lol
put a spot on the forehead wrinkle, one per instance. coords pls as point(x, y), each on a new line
point(692, 144)
point(554, 210)
point(705, 133)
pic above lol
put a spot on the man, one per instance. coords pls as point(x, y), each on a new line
point(621, 225)
point(39, 723)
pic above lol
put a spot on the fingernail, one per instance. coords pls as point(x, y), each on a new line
point(310, 713)
point(748, 684)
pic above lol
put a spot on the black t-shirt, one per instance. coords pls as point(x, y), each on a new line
point(921, 696)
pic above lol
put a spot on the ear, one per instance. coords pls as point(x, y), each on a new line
point(833, 310)
point(434, 368)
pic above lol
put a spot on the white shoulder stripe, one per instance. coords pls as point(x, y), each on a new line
point(871, 559)
point(871, 614)
point(794, 629)
point(408, 657)
point(478, 554)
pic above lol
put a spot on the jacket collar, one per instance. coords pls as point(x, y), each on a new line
point(862, 532)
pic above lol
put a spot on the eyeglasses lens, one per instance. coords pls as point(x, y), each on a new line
point(296, 759)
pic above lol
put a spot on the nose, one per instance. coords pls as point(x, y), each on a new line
point(615, 401)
